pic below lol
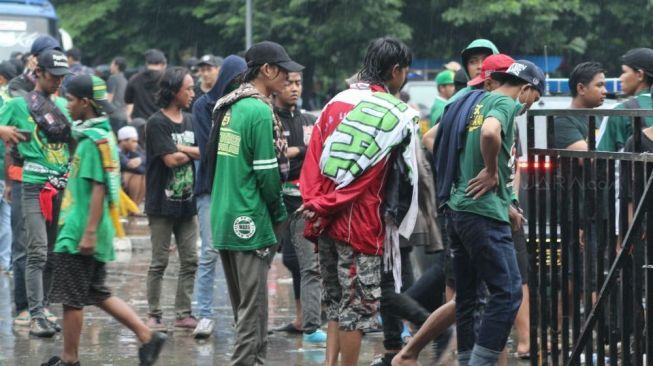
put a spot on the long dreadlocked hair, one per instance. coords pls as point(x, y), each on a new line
point(382, 55)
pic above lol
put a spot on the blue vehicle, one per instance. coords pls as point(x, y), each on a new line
point(22, 21)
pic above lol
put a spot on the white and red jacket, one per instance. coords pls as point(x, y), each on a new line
point(351, 214)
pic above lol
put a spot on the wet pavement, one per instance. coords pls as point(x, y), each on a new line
point(106, 342)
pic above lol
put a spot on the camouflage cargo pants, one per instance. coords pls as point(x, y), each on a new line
point(351, 283)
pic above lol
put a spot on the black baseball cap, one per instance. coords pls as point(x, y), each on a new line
point(8, 70)
point(639, 59)
point(268, 52)
point(210, 60)
point(155, 57)
point(93, 88)
point(526, 71)
point(54, 62)
point(44, 43)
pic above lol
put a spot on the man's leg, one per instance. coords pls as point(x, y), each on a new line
point(290, 260)
point(439, 321)
point(230, 267)
point(311, 292)
point(328, 257)
point(466, 282)
point(120, 311)
point(51, 229)
point(186, 238)
point(161, 231)
point(208, 261)
point(252, 282)
point(5, 230)
point(492, 254)
point(360, 278)
point(73, 319)
point(37, 248)
point(18, 249)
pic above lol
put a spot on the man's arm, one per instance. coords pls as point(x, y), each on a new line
point(488, 178)
point(89, 238)
point(429, 138)
point(175, 159)
point(192, 151)
point(266, 170)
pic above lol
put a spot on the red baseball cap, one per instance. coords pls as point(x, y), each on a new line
point(492, 63)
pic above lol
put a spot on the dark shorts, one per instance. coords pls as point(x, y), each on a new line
point(519, 237)
point(78, 281)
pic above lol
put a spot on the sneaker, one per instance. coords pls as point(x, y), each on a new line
point(22, 319)
point(316, 337)
point(48, 315)
point(57, 361)
point(41, 327)
point(189, 322)
point(204, 328)
point(149, 352)
point(54, 325)
point(155, 324)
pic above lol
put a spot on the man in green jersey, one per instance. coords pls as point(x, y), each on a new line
point(472, 59)
point(247, 207)
point(45, 155)
point(480, 213)
point(446, 90)
point(636, 80)
point(85, 241)
point(587, 87)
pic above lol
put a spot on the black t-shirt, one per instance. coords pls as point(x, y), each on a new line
point(626, 182)
point(169, 191)
point(141, 92)
point(296, 128)
point(116, 85)
point(569, 130)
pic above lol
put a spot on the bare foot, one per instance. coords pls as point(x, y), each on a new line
point(402, 359)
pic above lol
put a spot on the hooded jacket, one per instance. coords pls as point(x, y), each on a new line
point(203, 108)
point(476, 45)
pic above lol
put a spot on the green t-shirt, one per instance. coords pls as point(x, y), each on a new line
point(492, 204)
point(569, 130)
point(41, 159)
point(617, 129)
point(246, 200)
point(437, 110)
point(86, 169)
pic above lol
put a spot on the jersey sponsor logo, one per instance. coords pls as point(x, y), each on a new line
point(229, 144)
point(244, 227)
point(477, 118)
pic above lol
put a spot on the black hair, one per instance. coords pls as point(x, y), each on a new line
point(121, 63)
point(251, 73)
point(169, 85)
point(583, 73)
point(75, 54)
point(382, 55)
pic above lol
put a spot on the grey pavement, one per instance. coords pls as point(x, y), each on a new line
point(105, 342)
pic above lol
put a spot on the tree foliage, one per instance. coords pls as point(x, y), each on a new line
point(330, 36)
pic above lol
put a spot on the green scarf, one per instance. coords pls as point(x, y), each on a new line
point(99, 131)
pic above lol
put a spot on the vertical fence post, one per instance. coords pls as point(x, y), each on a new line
point(532, 242)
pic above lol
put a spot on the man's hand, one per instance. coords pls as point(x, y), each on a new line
point(7, 192)
point(482, 183)
point(516, 218)
point(87, 244)
point(306, 213)
point(134, 163)
point(11, 135)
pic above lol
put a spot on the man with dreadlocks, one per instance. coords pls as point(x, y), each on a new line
point(352, 149)
point(246, 152)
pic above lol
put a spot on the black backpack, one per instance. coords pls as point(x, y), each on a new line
point(48, 117)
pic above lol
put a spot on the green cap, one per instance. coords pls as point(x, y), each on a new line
point(444, 77)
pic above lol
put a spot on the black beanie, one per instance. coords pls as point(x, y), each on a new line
point(639, 59)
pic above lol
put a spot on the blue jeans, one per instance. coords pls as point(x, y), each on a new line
point(209, 259)
point(5, 230)
point(483, 249)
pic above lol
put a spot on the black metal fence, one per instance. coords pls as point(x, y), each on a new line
point(591, 248)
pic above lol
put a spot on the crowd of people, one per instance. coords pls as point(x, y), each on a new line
point(221, 151)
